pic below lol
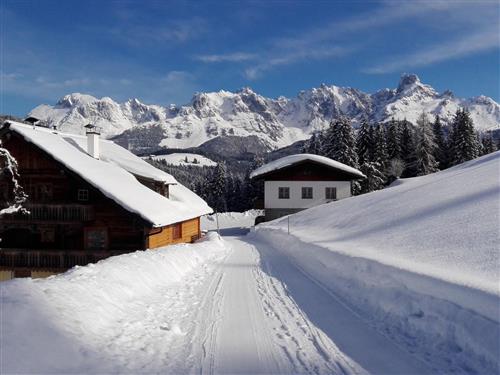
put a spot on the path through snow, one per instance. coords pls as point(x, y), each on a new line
point(243, 308)
point(261, 315)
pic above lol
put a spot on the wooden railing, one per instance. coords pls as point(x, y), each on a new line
point(50, 259)
point(57, 212)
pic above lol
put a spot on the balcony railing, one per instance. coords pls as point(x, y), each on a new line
point(57, 212)
point(50, 259)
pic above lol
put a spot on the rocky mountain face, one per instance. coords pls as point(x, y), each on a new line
point(276, 122)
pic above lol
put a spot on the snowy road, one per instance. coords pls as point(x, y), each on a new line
point(236, 306)
point(262, 315)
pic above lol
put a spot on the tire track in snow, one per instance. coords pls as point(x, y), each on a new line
point(262, 330)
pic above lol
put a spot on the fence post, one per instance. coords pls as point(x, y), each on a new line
point(288, 224)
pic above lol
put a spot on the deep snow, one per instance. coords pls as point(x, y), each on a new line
point(354, 288)
point(418, 260)
point(444, 225)
point(124, 314)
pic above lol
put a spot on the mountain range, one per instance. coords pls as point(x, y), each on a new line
point(275, 122)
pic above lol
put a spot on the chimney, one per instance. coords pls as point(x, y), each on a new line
point(92, 140)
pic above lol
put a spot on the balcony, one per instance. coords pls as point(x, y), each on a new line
point(56, 212)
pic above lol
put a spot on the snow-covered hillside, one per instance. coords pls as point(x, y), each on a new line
point(279, 122)
point(419, 259)
point(182, 158)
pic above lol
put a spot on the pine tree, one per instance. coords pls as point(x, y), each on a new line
point(394, 140)
point(408, 149)
point(380, 154)
point(488, 144)
point(441, 150)
point(253, 189)
point(340, 144)
point(217, 188)
point(314, 144)
point(463, 139)
point(364, 143)
point(374, 180)
point(425, 149)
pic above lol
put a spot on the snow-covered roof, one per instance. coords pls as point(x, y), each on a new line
point(299, 158)
point(113, 175)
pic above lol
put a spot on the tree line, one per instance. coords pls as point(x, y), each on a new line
point(224, 190)
point(387, 151)
point(382, 151)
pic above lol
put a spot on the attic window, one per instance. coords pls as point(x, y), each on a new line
point(83, 195)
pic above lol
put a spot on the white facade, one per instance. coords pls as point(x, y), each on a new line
point(272, 200)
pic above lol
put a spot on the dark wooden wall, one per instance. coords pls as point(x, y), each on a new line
point(58, 220)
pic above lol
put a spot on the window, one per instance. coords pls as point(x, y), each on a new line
point(177, 231)
point(96, 238)
point(284, 193)
point(83, 195)
point(331, 193)
point(307, 193)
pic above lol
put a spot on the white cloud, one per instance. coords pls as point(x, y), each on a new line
point(229, 57)
point(481, 41)
point(312, 53)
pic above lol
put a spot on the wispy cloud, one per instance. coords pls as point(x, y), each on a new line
point(478, 42)
point(341, 38)
point(315, 53)
point(229, 57)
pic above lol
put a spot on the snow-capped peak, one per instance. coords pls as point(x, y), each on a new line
point(410, 84)
point(277, 122)
point(75, 99)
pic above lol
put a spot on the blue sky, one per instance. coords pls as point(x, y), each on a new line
point(163, 51)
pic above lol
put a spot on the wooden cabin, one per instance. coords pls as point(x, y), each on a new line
point(88, 199)
point(297, 182)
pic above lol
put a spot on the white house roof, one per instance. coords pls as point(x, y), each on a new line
point(113, 175)
point(298, 158)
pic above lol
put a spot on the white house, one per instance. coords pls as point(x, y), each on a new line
point(301, 181)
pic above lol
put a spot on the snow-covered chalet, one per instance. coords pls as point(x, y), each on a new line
point(296, 182)
point(88, 199)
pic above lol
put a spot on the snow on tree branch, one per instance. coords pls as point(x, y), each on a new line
point(11, 200)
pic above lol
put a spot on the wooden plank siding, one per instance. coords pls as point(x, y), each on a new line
point(158, 237)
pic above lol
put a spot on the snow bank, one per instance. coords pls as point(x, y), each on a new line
point(444, 225)
point(57, 324)
point(419, 260)
point(436, 320)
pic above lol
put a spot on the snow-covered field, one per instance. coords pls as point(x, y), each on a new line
point(418, 260)
point(180, 159)
point(400, 281)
